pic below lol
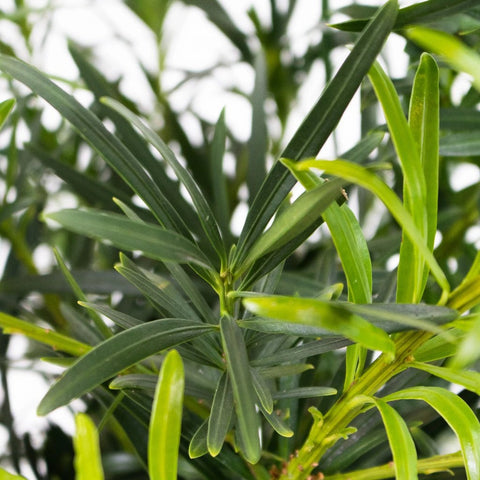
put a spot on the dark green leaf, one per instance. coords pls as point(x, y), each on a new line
point(318, 125)
point(243, 392)
point(116, 354)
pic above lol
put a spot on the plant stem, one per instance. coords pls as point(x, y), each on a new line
point(326, 431)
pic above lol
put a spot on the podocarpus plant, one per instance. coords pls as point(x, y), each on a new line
point(273, 354)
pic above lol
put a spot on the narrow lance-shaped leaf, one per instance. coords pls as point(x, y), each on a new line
point(205, 214)
point(104, 142)
point(293, 220)
point(116, 354)
point(217, 177)
point(99, 323)
point(154, 241)
point(457, 414)
point(312, 312)
point(88, 460)
point(12, 325)
point(247, 419)
point(318, 125)
point(400, 440)
point(348, 238)
point(220, 417)
point(424, 123)
point(257, 146)
point(455, 52)
point(411, 263)
point(365, 178)
point(468, 379)
point(166, 419)
point(421, 12)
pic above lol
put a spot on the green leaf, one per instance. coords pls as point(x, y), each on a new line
point(219, 421)
point(88, 460)
point(468, 352)
point(464, 144)
point(12, 325)
point(305, 392)
point(158, 290)
point(116, 354)
point(205, 214)
point(277, 423)
point(99, 323)
point(119, 318)
point(457, 414)
point(262, 390)
point(424, 121)
point(348, 238)
point(5, 108)
point(105, 143)
point(466, 378)
point(240, 376)
point(400, 440)
point(411, 264)
point(154, 241)
point(293, 220)
point(217, 177)
point(166, 419)
point(198, 444)
point(316, 313)
point(421, 12)
point(258, 143)
point(455, 52)
point(367, 179)
point(317, 126)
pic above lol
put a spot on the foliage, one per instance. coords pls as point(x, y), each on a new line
point(290, 349)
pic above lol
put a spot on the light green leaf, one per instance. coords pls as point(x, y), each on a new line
point(367, 179)
point(166, 419)
point(468, 351)
point(317, 126)
point(154, 241)
point(457, 414)
point(240, 376)
point(5, 108)
point(88, 460)
point(455, 52)
point(316, 313)
point(411, 264)
point(4, 475)
point(293, 220)
point(466, 378)
point(400, 440)
point(424, 122)
point(117, 353)
point(12, 325)
point(205, 214)
point(219, 421)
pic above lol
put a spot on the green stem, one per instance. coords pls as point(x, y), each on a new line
point(325, 432)
point(427, 466)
